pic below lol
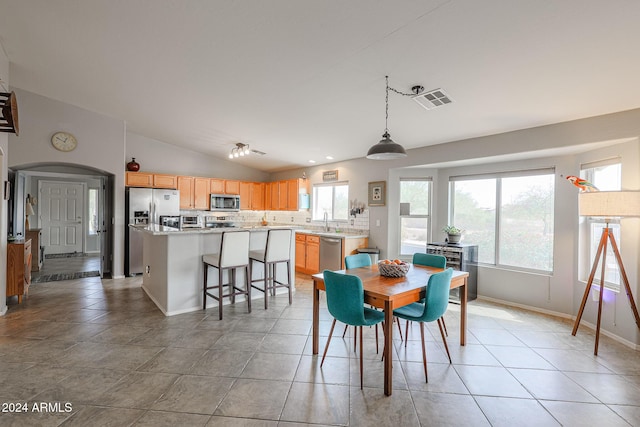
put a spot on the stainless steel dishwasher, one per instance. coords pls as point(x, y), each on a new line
point(330, 253)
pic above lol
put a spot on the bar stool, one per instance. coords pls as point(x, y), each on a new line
point(277, 250)
point(233, 254)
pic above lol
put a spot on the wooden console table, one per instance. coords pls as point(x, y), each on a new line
point(18, 268)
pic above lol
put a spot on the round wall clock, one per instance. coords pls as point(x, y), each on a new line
point(64, 141)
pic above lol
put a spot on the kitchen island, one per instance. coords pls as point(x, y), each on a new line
point(173, 269)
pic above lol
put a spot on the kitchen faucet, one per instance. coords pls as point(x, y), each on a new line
point(326, 222)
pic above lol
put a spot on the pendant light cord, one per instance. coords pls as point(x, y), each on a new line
point(386, 111)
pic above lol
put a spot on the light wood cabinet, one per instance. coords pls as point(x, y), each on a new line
point(307, 253)
point(275, 196)
point(139, 179)
point(185, 186)
point(295, 187)
point(195, 191)
point(35, 235)
point(150, 180)
point(245, 195)
point(18, 268)
point(201, 193)
point(217, 186)
point(165, 181)
point(231, 186)
point(257, 196)
point(282, 195)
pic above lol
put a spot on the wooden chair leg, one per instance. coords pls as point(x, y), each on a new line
point(395, 319)
point(345, 330)
point(406, 333)
point(328, 341)
point(361, 358)
point(355, 337)
point(376, 338)
point(444, 325)
point(424, 352)
point(444, 340)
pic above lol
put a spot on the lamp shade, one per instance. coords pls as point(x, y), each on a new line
point(609, 204)
point(29, 210)
point(386, 149)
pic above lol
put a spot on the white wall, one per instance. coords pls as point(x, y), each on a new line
point(358, 172)
point(157, 156)
point(4, 157)
point(100, 146)
point(556, 145)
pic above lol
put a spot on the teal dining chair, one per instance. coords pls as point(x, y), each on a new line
point(357, 261)
point(429, 260)
point(345, 301)
point(435, 305)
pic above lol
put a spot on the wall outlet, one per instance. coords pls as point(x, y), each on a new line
point(308, 219)
point(377, 223)
point(291, 219)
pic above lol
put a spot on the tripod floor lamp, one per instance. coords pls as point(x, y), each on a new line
point(607, 204)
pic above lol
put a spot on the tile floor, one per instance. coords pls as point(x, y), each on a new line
point(53, 267)
point(103, 348)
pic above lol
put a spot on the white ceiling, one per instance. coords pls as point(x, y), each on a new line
point(301, 80)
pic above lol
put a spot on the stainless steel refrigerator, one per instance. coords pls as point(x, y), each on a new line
point(143, 206)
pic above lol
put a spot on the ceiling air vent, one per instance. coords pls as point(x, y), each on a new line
point(259, 153)
point(432, 99)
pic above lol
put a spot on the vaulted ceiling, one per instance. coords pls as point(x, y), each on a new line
point(302, 80)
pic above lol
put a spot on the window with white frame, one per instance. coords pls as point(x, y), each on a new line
point(332, 199)
point(415, 214)
point(606, 176)
point(509, 215)
point(93, 211)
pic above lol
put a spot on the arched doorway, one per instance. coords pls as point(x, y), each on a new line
point(71, 210)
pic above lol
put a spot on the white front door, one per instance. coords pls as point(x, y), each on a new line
point(61, 216)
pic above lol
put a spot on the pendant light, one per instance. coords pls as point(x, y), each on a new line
point(386, 149)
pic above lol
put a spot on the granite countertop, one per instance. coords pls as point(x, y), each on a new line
point(157, 229)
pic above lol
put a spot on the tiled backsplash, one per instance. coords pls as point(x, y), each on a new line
point(357, 224)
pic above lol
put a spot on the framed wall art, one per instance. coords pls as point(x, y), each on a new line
point(377, 193)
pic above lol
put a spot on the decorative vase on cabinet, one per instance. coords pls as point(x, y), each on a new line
point(133, 166)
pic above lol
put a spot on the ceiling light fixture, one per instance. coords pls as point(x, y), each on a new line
point(386, 149)
point(329, 157)
point(239, 150)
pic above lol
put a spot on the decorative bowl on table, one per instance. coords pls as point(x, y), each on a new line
point(393, 268)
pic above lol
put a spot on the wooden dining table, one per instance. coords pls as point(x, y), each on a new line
point(389, 293)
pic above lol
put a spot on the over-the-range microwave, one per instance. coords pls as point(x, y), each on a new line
point(225, 202)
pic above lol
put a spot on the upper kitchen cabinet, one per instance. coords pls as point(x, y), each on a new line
point(295, 187)
point(201, 193)
point(139, 179)
point(257, 196)
point(165, 181)
point(283, 195)
point(245, 195)
point(231, 186)
point(275, 196)
point(217, 186)
point(194, 192)
point(150, 180)
point(185, 186)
